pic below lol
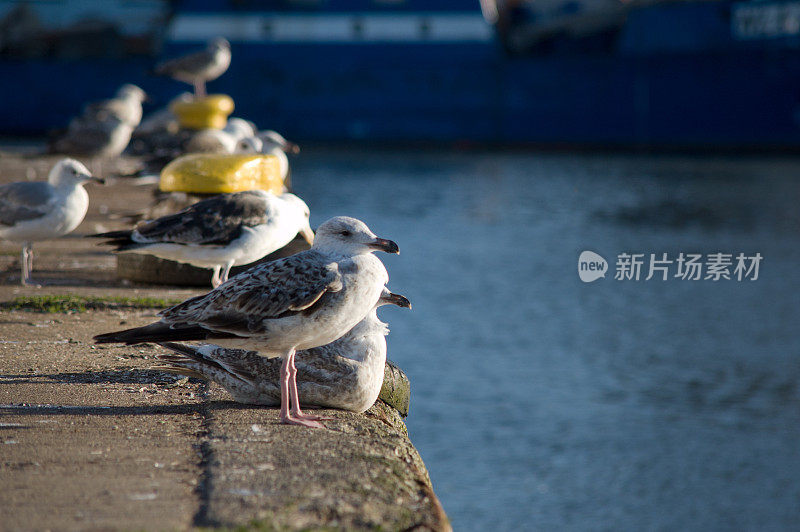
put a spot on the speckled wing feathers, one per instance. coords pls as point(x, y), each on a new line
point(268, 291)
point(215, 221)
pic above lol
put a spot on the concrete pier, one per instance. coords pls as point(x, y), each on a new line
point(92, 439)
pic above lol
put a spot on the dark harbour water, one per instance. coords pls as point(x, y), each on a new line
point(540, 402)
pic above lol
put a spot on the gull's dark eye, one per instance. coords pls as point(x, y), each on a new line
point(346, 233)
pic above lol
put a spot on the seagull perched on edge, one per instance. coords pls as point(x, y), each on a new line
point(220, 232)
point(345, 374)
point(199, 67)
point(299, 302)
point(31, 211)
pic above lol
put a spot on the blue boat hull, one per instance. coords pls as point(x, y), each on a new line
point(654, 87)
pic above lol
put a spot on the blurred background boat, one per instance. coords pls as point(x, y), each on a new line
point(555, 72)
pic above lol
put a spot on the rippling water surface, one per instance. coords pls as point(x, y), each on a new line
point(541, 402)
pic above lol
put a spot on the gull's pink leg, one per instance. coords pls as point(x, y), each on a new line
point(295, 396)
point(287, 383)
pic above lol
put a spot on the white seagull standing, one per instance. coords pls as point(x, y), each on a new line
point(306, 300)
point(199, 67)
point(346, 374)
point(31, 211)
point(220, 232)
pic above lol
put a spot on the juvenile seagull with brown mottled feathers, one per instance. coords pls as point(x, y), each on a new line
point(276, 308)
point(346, 374)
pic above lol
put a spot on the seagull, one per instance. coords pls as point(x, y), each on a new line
point(239, 128)
point(346, 374)
point(104, 128)
point(220, 232)
point(126, 106)
point(269, 142)
point(31, 211)
point(276, 308)
point(211, 141)
point(199, 67)
point(93, 138)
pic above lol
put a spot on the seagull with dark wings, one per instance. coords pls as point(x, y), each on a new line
point(220, 232)
point(299, 302)
point(346, 374)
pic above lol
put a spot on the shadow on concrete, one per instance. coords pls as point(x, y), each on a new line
point(69, 410)
point(120, 376)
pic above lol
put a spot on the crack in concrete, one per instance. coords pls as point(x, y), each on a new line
point(205, 485)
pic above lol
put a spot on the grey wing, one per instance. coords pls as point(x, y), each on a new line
point(85, 137)
point(189, 64)
point(248, 365)
point(271, 290)
point(215, 221)
point(24, 201)
point(103, 110)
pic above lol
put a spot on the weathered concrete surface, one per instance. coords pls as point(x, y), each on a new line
point(91, 439)
point(88, 437)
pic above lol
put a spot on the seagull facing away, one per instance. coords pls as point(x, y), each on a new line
point(276, 308)
point(269, 142)
point(199, 67)
point(31, 211)
point(346, 374)
point(220, 232)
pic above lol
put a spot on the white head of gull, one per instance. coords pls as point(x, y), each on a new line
point(272, 139)
point(272, 143)
point(32, 211)
point(239, 128)
point(299, 302)
point(346, 374)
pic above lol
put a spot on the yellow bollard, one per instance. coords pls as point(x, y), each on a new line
point(209, 112)
point(206, 173)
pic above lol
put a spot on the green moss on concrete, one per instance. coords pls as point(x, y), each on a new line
point(396, 389)
point(55, 304)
